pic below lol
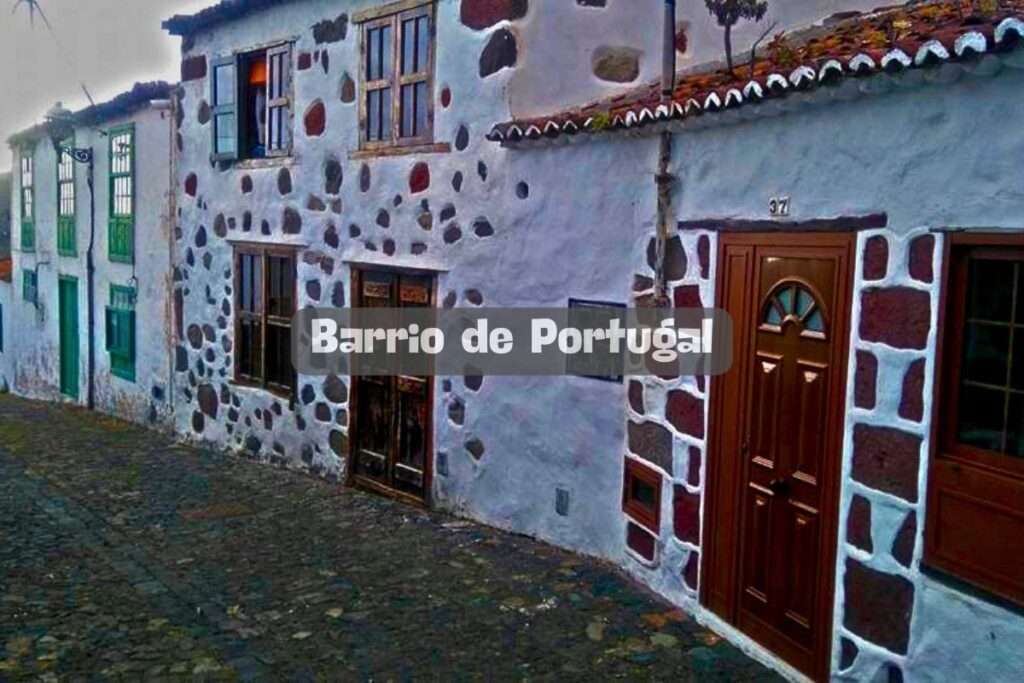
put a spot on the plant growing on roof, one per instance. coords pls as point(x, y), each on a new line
point(729, 12)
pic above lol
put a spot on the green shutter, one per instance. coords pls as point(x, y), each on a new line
point(120, 326)
point(121, 189)
point(66, 243)
point(224, 98)
point(28, 203)
point(29, 286)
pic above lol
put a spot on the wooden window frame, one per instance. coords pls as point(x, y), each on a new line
point(641, 513)
point(284, 102)
point(951, 462)
point(264, 252)
point(394, 15)
point(120, 317)
point(66, 176)
point(121, 222)
point(27, 197)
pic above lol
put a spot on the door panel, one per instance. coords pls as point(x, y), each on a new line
point(67, 304)
point(393, 416)
point(789, 300)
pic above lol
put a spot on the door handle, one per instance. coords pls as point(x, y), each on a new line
point(779, 487)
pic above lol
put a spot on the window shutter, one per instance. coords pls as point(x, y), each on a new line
point(224, 98)
point(111, 329)
point(279, 89)
point(128, 335)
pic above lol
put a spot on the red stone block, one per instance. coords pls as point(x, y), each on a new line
point(921, 251)
point(878, 606)
point(191, 185)
point(876, 258)
point(858, 524)
point(479, 14)
point(704, 253)
point(897, 316)
point(693, 467)
point(316, 119)
point(887, 459)
point(912, 398)
point(906, 539)
point(305, 61)
point(691, 570)
point(685, 412)
point(636, 397)
point(640, 541)
point(687, 296)
point(446, 97)
point(193, 68)
point(686, 515)
point(865, 380)
point(419, 178)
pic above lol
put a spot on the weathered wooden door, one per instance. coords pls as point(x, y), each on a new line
point(777, 429)
point(67, 313)
point(392, 415)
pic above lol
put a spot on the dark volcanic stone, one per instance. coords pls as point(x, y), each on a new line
point(887, 459)
point(292, 221)
point(331, 30)
point(921, 250)
point(685, 412)
point(865, 381)
point(686, 515)
point(878, 606)
point(897, 316)
point(501, 52)
point(912, 397)
point(335, 390)
point(652, 442)
point(481, 14)
point(333, 176)
point(284, 181)
point(858, 524)
point(876, 258)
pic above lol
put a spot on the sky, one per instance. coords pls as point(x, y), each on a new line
point(107, 44)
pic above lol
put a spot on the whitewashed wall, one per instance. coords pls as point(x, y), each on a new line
point(35, 347)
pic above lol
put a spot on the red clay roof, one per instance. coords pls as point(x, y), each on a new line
point(889, 40)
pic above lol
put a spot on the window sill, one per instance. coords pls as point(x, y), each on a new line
point(268, 162)
point(284, 394)
point(397, 151)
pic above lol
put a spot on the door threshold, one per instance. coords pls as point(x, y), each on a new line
point(365, 484)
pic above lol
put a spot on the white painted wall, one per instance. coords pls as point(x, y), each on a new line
point(35, 332)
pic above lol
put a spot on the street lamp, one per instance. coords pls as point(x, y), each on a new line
point(60, 126)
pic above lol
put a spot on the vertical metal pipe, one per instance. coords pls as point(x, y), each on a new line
point(663, 179)
point(90, 276)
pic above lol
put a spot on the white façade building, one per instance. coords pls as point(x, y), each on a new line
point(844, 503)
point(124, 226)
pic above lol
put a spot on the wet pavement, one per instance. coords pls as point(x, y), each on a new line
point(126, 556)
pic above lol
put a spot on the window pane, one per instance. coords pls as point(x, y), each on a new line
point(224, 82)
point(421, 108)
point(986, 353)
point(385, 52)
point(1018, 359)
point(1020, 292)
point(408, 111)
point(991, 290)
point(409, 52)
point(643, 493)
point(245, 291)
point(250, 349)
point(981, 417)
point(225, 134)
point(373, 55)
point(279, 355)
point(1015, 433)
point(385, 114)
point(282, 287)
point(373, 115)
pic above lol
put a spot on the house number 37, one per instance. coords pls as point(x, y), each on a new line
point(778, 206)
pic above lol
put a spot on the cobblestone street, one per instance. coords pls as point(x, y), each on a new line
point(124, 555)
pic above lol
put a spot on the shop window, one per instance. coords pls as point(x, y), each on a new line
point(397, 78)
point(264, 305)
point(252, 104)
point(976, 485)
point(641, 495)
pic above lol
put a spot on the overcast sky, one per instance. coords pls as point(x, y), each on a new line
point(109, 44)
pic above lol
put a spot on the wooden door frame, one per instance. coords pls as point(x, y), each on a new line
point(356, 271)
point(832, 466)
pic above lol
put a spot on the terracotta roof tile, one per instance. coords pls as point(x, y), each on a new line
point(889, 40)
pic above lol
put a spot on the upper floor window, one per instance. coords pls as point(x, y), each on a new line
point(975, 504)
point(122, 194)
point(397, 76)
point(252, 104)
point(66, 202)
point(28, 200)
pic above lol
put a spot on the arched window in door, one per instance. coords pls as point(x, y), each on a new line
point(794, 302)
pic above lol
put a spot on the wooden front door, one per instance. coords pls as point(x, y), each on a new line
point(392, 429)
point(67, 305)
point(777, 427)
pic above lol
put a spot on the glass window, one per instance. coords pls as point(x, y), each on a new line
point(263, 333)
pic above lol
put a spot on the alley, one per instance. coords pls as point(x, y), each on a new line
point(125, 555)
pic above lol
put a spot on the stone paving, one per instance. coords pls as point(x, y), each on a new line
point(126, 556)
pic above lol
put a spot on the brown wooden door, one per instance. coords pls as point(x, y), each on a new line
point(777, 437)
point(392, 415)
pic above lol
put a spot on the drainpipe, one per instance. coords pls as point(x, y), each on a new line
point(172, 218)
point(664, 179)
point(90, 278)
